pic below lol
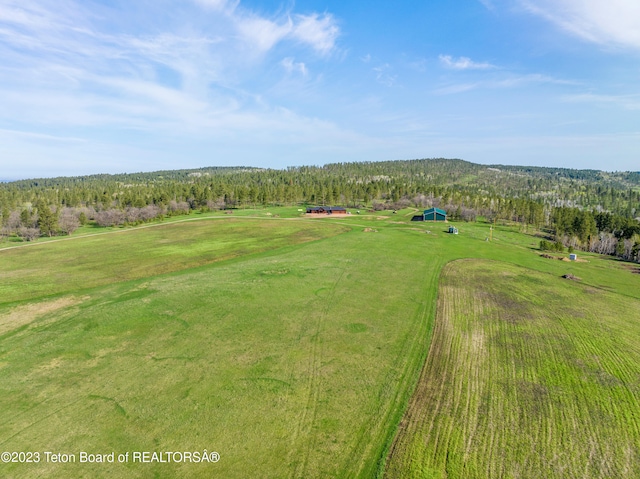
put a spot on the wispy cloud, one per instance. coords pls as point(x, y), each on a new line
point(39, 136)
point(195, 79)
point(114, 82)
point(419, 65)
point(488, 4)
point(463, 63)
point(516, 80)
point(60, 67)
point(220, 5)
point(456, 88)
point(384, 75)
point(318, 31)
point(615, 22)
point(627, 102)
point(504, 81)
point(292, 66)
point(30, 14)
point(263, 33)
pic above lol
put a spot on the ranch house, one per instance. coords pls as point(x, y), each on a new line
point(326, 210)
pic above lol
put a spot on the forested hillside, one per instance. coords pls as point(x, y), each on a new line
point(582, 209)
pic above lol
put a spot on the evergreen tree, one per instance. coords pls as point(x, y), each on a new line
point(47, 220)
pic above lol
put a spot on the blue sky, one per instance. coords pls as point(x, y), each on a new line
point(95, 86)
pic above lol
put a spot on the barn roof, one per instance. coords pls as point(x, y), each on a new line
point(436, 210)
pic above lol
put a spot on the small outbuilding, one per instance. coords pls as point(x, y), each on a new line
point(453, 230)
point(573, 256)
point(435, 214)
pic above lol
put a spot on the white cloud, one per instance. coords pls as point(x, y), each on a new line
point(463, 63)
point(28, 14)
point(263, 33)
point(99, 78)
point(92, 88)
point(318, 31)
point(291, 66)
point(63, 69)
point(614, 22)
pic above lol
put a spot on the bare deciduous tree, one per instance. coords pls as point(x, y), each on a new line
point(216, 204)
point(628, 252)
point(605, 243)
point(467, 214)
point(14, 222)
point(109, 218)
point(132, 214)
point(28, 234)
point(68, 222)
point(150, 212)
point(178, 207)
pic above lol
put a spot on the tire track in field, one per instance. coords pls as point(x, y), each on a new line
point(425, 389)
point(299, 456)
point(40, 419)
point(412, 360)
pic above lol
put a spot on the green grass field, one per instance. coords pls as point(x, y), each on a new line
point(290, 362)
point(41, 269)
point(527, 376)
point(290, 346)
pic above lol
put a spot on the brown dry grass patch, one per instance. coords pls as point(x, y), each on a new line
point(25, 314)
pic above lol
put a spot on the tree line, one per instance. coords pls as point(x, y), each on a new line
point(584, 209)
point(598, 232)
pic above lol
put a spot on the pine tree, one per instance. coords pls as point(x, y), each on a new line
point(47, 220)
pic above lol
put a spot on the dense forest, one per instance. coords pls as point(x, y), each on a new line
point(580, 209)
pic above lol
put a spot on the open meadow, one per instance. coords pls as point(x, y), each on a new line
point(292, 347)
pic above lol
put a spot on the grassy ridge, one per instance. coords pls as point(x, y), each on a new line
point(526, 377)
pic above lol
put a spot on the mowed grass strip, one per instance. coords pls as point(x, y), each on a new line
point(527, 376)
point(85, 262)
point(295, 363)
